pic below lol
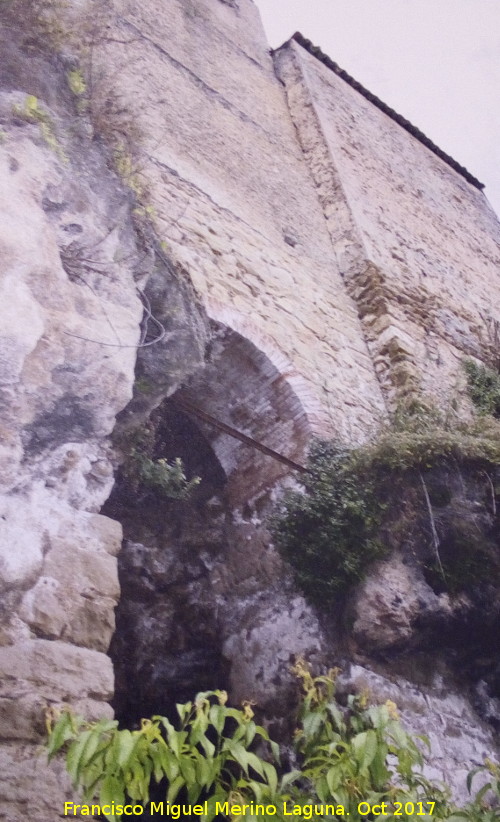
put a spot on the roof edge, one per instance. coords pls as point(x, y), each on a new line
point(316, 52)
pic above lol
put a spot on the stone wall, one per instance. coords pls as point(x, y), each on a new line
point(417, 244)
point(234, 198)
point(309, 262)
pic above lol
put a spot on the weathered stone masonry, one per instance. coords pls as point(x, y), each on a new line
point(320, 263)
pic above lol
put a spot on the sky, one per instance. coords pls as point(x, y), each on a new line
point(436, 62)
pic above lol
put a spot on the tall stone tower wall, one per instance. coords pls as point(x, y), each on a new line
point(313, 198)
point(417, 243)
point(235, 200)
point(313, 261)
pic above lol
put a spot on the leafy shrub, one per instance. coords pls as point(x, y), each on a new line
point(143, 469)
point(166, 477)
point(329, 534)
point(348, 757)
point(209, 753)
point(356, 503)
point(483, 385)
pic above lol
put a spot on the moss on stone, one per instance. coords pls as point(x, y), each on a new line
point(423, 484)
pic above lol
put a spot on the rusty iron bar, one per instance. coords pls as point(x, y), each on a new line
point(188, 406)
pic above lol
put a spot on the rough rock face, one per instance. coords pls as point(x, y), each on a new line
point(390, 603)
point(270, 324)
point(440, 584)
point(433, 704)
point(205, 599)
point(69, 324)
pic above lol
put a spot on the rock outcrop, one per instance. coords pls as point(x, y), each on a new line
point(189, 249)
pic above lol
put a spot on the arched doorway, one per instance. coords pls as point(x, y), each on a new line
point(197, 575)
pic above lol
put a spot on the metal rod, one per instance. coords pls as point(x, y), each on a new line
point(187, 406)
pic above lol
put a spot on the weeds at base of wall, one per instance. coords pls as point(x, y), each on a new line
point(356, 759)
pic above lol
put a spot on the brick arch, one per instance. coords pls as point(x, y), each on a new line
point(251, 386)
point(317, 417)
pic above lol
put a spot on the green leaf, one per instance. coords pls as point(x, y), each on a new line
point(311, 724)
point(188, 770)
point(174, 788)
point(137, 784)
point(275, 748)
point(365, 747)
point(124, 746)
point(271, 776)
point(203, 773)
point(155, 754)
point(61, 732)
point(111, 791)
point(333, 778)
point(238, 753)
point(250, 731)
point(90, 749)
point(175, 740)
point(259, 765)
point(184, 710)
point(217, 716)
point(74, 756)
point(471, 775)
point(169, 763)
point(378, 768)
point(258, 790)
point(288, 779)
point(208, 747)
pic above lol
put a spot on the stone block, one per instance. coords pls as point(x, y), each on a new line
point(58, 671)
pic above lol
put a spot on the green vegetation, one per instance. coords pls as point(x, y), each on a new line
point(352, 757)
point(78, 87)
point(143, 469)
point(329, 534)
point(358, 504)
point(76, 82)
point(126, 168)
point(483, 385)
point(168, 478)
point(32, 112)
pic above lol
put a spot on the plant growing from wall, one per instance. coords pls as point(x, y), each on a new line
point(351, 511)
point(143, 469)
point(353, 758)
point(329, 534)
point(483, 385)
point(32, 112)
point(168, 478)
